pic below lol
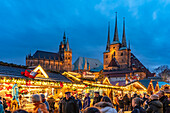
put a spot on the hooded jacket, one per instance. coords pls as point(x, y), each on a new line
point(155, 106)
point(105, 107)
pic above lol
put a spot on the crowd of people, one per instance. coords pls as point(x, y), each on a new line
point(154, 103)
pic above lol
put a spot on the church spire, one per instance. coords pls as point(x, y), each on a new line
point(67, 46)
point(124, 36)
point(64, 39)
point(108, 38)
point(116, 38)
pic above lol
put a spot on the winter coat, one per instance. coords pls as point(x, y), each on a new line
point(86, 102)
point(105, 107)
point(41, 107)
point(166, 104)
point(1, 108)
point(121, 103)
point(79, 104)
point(155, 106)
point(68, 106)
point(51, 102)
point(97, 99)
point(138, 109)
point(126, 100)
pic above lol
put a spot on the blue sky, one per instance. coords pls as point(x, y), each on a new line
point(30, 25)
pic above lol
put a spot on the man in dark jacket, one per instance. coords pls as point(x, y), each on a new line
point(68, 104)
point(78, 101)
point(126, 102)
point(165, 101)
point(155, 106)
point(136, 102)
point(86, 101)
point(97, 98)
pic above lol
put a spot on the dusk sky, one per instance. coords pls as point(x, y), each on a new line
point(30, 25)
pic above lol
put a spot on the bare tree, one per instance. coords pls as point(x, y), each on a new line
point(163, 71)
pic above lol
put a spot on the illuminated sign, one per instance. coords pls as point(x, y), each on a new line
point(88, 75)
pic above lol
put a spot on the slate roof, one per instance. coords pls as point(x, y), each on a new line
point(145, 82)
point(95, 64)
point(16, 72)
point(46, 55)
point(137, 64)
point(113, 63)
point(154, 83)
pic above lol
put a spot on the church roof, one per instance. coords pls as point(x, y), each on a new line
point(115, 42)
point(123, 48)
point(137, 64)
point(113, 63)
point(46, 55)
point(95, 64)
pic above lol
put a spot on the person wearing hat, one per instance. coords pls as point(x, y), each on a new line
point(68, 104)
point(97, 98)
point(155, 106)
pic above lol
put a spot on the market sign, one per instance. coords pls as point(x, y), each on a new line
point(88, 75)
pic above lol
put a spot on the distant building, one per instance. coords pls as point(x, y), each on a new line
point(87, 64)
point(118, 61)
point(61, 61)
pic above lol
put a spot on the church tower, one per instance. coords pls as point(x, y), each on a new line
point(67, 61)
point(117, 55)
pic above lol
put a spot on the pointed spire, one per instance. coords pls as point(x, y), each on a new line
point(64, 39)
point(67, 46)
point(116, 38)
point(124, 36)
point(108, 38)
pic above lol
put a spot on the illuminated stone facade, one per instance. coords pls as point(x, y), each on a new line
point(61, 61)
point(118, 61)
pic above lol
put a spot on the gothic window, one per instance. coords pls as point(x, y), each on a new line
point(68, 57)
point(106, 56)
point(113, 47)
point(121, 54)
point(114, 53)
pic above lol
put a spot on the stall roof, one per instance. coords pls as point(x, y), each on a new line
point(16, 72)
point(154, 83)
point(145, 82)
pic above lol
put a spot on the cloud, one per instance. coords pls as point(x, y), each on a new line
point(31, 25)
